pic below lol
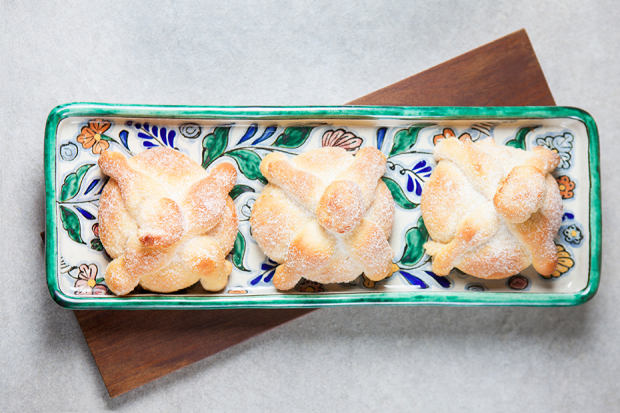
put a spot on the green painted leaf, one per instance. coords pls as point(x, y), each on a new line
point(107, 138)
point(240, 189)
point(293, 137)
point(519, 140)
point(406, 138)
point(249, 163)
point(398, 194)
point(73, 181)
point(238, 251)
point(213, 145)
point(71, 223)
point(414, 239)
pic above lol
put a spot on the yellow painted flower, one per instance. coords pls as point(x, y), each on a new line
point(565, 262)
point(92, 136)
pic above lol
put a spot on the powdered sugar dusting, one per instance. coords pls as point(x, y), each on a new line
point(513, 190)
point(277, 216)
point(167, 200)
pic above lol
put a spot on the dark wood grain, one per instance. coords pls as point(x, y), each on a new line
point(132, 348)
point(505, 72)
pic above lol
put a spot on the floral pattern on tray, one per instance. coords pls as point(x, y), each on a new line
point(407, 145)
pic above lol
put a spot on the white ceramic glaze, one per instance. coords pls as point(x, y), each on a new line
point(82, 264)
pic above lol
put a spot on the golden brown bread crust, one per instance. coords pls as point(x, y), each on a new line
point(325, 216)
point(166, 222)
point(491, 210)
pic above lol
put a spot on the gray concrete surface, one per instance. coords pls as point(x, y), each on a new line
point(293, 53)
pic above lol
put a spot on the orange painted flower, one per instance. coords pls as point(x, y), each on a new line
point(565, 262)
point(92, 136)
point(449, 133)
point(566, 186)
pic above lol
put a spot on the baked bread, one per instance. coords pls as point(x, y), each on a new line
point(325, 216)
point(166, 222)
point(491, 210)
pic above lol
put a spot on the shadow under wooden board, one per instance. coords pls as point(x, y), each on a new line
point(502, 73)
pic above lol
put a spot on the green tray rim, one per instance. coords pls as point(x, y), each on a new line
point(284, 300)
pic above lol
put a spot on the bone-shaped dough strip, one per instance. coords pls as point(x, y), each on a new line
point(520, 194)
point(206, 198)
point(123, 274)
point(543, 159)
point(367, 168)
point(159, 219)
point(310, 250)
point(536, 233)
point(473, 231)
point(205, 257)
point(471, 161)
point(302, 186)
point(370, 247)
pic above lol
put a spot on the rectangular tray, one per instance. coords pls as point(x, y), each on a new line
point(243, 135)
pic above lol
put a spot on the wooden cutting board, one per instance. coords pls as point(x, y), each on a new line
point(502, 73)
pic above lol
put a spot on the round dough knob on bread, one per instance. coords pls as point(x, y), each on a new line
point(325, 216)
point(491, 211)
point(166, 222)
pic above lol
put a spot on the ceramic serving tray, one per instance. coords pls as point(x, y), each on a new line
point(76, 134)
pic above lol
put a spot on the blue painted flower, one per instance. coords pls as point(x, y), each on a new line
point(568, 216)
point(561, 144)
point(443, 282)
point(153, 136)
point(573, 234)
point(417, 280)
point(381, 137)
point(269, 269)
point(415, 176)
point(413, 280)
